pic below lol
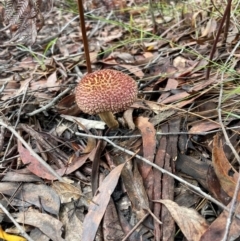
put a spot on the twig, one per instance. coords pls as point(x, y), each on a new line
point(50, 104)
point(49, 168)
point(204, 133)
point(21, 230)
point(153, 215)
point(135, 227)
point(196, 189)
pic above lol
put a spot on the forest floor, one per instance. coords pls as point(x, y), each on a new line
point(169, 172)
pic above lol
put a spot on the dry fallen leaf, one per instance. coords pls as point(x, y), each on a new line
point(72, 225)
point(53, 83)
point(66, 191)
point(225, 172)
point(203, 126)
point(33, 164)
point(191, 223)
point(98, 206)
point(149, 143)
point(217, 228)
point(40, 195)
point(50, 226)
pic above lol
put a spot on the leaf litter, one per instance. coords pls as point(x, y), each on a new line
point(93, 188)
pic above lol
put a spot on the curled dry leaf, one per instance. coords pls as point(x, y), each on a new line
point(127, 115)
point(225, 172)
point(191, 223)
point(66, 191)
point(210, 28)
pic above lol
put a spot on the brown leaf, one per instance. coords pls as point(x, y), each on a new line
point(203, 126)
point(133, 181)
point(191, 223)
point(67, 106)
point(149, 143)
point(99, 204)
point(225, 172)
point(133, 69)
point(217, 229)
point(215, 188)
point(33, 164)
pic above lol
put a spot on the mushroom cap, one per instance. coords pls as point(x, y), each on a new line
point(105, 90)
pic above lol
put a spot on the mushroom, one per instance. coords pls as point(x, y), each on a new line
point(106, 91)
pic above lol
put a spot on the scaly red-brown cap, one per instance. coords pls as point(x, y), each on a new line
point(105, 90)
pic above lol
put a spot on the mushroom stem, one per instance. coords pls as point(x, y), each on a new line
point(109, 119)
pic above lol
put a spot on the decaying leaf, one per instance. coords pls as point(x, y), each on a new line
point(149, 143)
point(192, 224)
point(99, 204)
point(52, 227)
point(72, 225)
point(225, 172)
point(39, 195)
point(33, 164)
point(217, 229)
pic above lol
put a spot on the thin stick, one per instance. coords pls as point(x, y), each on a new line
point(50, 104)
point(134, 228)
point(196, 189)
point(84, 35)
point(22, 232)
